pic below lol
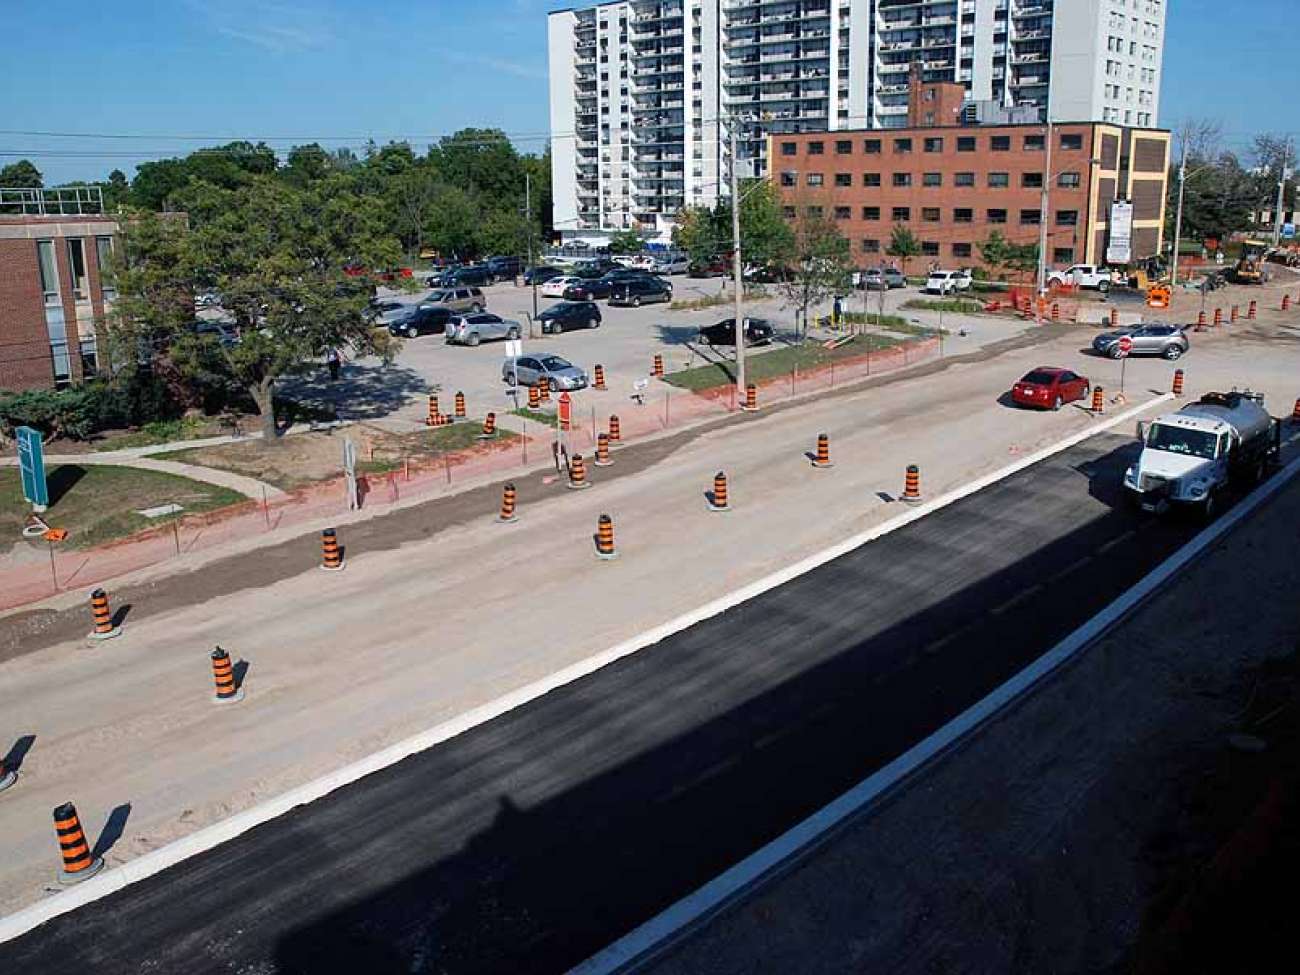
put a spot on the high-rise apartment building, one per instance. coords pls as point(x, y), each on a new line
point(643, 92)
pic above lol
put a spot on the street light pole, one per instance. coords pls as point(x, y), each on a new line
point(1178, 216)
point(1281, 190)
point(735, 263)
point(528, 216)
point(1042, 223)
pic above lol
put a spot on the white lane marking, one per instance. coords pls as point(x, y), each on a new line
point(1017, 599)
point(1117, 540)
point(648, 941)
point(200, 841)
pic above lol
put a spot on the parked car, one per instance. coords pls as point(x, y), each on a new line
point(1169, 341)
point(714, 267)
point(530, 370)
point(879, 279)
point(764, 273)
point(384, 310)
point(457, 299)
point(758, 331)
point(421, 320)
point(207, 298)
point(639, 291)
point(1083, 276)
point(223, 332)
point(477, 274)
point(1049, 387)
point(670, 264)
point(541, 274)
point(502, 268)
point(948, 282)
point(589, 289)
point(566, 315)
point(554, 288)
point(473, 328)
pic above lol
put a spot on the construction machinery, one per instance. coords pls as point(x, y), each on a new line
point(1249, 268)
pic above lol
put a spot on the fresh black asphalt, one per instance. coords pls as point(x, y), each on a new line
point(528, 843)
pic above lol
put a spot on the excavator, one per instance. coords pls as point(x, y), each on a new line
point(1249, 268)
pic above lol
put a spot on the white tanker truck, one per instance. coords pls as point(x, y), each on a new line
point(1190, 458)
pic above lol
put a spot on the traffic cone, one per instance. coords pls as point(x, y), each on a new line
point(602, 451)
point(78, 862)
point(534, 397)
point(460, 406)
point(615, 432)
point(223, 675)
point(657, 369)
point(605, 538)
point(751, 398)
point(432, 418)
point(103, 617)
point(717, 498)
point(1098, 400)
point(600, 377)
point(822, 459)
point(544, 389)
point(912, 484)
point(578, 474)
point(1218, 317)
point(508, 504)
point(1178, 382)
point(331, 554)
point(489, 427)
point(1251, 309)
point(1232, 318)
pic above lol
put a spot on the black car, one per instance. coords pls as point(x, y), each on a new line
point(541, 274)
point(640, 291)
point(422, 320)
point(477, 274)
point(566, 315)
point(503, 267)
point(589, 290)
point(758, 331)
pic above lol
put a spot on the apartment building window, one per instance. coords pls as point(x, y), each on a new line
point(1035, 143)
point(902, 146)
point(49, 272)
point(871, 213)
point(843, 179)
point(1067, 218)
point(789, 148)
point(961, 250)
point(963, 215)
point(1068, 181)
point(77, 267)
point(930, 214)
point(104, 252)
point(789, 178)
point(930, 248)
point(814, 179)
point(870, 245)
point(1000, 143)
point(934, 144)
point(55, 326)
point(965, 143)
point(816, 148)
point(996, 216)
point(814, 212)
point(844, 213)
point(1063, 255)
point(871, 147)
point(870, 179)
point(1029, 218)
point(843, 147)
point(1071, 140)
point(932, 179)
point(999, 181)
point(787, 212)
point(902, 179)
point(902, 214)
point(963, 179)
point(1031, 181)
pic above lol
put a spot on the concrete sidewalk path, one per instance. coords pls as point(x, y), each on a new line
point(249, 487)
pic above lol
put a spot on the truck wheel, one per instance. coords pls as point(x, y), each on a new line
point(1103, 286)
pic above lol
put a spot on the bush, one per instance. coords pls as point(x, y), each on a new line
point(82, 411)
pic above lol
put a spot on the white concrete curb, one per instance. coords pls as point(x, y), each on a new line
point(649, 941)
point(205, 839)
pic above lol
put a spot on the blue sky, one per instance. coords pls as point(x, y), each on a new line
point(345, 71)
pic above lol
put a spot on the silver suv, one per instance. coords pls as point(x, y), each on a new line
point(1167, 341)
point(457, 299)
point(473, 328)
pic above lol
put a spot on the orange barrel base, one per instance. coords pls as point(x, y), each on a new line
point(912, 484)
point(331, 555)
point(717, 498)
point(489, 427)
point(1098, 400)
point(602, 451)
point(578, 474)
point(507, 514)
point(605, 539)
point(822, 458)
point(750, 404)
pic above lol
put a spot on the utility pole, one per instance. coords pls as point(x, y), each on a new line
point(1042, 223)
point(735, 263)
point(1281, 190)
point(528, 217)
point(1178, 215)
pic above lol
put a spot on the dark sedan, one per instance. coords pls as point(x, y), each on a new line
point(540, 275)
point(421, 320)
point(566, 315)
point(639, 291)
point(589, 290)
point(758, 331)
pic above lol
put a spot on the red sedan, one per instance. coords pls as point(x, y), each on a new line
point(1050, 388)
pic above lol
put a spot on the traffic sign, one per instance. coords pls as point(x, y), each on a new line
point(1125, 345)
point(31, 461)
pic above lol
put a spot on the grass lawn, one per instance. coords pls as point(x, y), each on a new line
point(778, 362)
point(961, 305)
point(537, 416)
point(99, 503)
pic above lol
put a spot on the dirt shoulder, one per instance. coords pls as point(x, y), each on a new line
point(1116, 821)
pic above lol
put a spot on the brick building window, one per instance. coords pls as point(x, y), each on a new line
point(934, 144)
point(902, 214)
point(814, 179)
point(816, 148)
point(871, 213)
point(1071, 140)
point(1063, 255)
point(1031, 181)
point(996, 216)
point(930, 214)
point(870, 179)
point(871, 147)
point(843, 147)
point(963, 179)
point(1067, 218)
point(77, 267)
point(1000, 143)
point(870, 245)
point(1035, 143)
point(789, 178)
point(902, 179)
point(844, 213)
point(1068, 181)
point(961, 250)
point(843, 179)
point(1029, 218)
point(815, 212)
point(963, 215)
point(789, 148)
point(902, 146)
point(999, 181)
point(787, 212)
point(965, 143)
point(930, 248)
point(932, 179)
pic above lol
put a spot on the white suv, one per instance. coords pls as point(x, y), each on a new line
point(948, 282)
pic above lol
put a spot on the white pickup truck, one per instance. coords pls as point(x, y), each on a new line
point(1081, 276)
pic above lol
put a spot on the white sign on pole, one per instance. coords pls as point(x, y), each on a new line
point(1120, 248)
point(514, 348)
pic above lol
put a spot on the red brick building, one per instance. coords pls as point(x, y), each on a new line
point(952, 185)
point(53, 298)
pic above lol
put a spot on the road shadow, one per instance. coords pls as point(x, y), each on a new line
point(13, 759)
point(60, 480)
point(239, 671)
point(122, 613)
point(364, 392)
point(677, 334)
point(112, 831)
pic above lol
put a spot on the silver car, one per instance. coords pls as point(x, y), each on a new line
point(1168, 341)
point(461, 298)
point(530, 370)
point(473, 328)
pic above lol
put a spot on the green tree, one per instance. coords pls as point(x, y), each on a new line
point(22, 174)
point(627, 241)
point(821, 266)
point(156, 181)
point(903, 245)
point(694, 233)
point(1023, 258)
point(308, 163)
point(452, 226)
point(765, 235)
point(117, 191)
point(994, 251)
point(480, 161)
point(505, 231)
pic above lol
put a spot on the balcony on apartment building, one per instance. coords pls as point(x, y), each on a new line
point(647, 13)
point(1023, 11)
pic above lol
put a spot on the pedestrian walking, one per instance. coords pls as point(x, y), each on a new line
point(335, 363)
